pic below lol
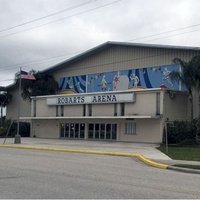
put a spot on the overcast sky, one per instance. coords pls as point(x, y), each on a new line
point(61, 29)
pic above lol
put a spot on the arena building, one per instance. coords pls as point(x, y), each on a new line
point(115, 91)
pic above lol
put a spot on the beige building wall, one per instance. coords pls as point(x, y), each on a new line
point(119, 57)
point(12, 108)
point(172, 106)
point(176, 106)
point(147, 130)
point(103, 110)
point(145, 104)
point(45, 128)
point(42, 110)
point(114, 58)
point(73, 110)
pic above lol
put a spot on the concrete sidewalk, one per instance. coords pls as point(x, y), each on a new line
point(148, 150)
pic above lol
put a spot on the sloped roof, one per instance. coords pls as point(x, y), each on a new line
point(109, 44)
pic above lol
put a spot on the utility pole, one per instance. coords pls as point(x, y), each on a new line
point(17, 136)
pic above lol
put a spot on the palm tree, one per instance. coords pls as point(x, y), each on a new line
point(190, 77)
point(44, 84)
point(5, 98)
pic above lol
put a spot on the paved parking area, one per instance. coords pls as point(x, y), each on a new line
point(148, 150)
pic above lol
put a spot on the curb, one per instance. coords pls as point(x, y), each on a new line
point(185, 170)
point(132, 155)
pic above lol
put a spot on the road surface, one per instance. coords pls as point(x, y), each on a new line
point(38, 174)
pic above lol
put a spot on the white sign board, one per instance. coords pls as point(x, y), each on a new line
point(91, 99)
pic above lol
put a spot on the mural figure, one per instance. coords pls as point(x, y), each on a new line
point(135, 80)
point(116, 81)
point(70, 83)
point(151, 77)
point(103, 83)
point(166, 76)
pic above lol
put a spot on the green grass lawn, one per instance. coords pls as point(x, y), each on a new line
point(182, 153)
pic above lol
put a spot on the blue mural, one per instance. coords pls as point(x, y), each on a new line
point(74, 84)
point(150, 77)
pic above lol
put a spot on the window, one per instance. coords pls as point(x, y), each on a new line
point(130, 127)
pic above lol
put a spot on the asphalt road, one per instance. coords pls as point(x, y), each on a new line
point(39, 174)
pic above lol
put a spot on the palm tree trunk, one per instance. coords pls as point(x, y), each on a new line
point(195, 99)
point(191, 107)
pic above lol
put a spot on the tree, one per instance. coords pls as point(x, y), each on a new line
point(190, 77)
point(44, 84)
point(5, 98)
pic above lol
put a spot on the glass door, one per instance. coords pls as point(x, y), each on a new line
point(77, 131)
point(97, 131)
point(82, 131)
point(66, 130)
point(91, 131)
point(71, 133)
point(103, 131)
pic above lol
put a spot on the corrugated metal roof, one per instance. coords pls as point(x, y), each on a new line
point(110, 44)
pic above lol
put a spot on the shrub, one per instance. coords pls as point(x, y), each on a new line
point(182, 132)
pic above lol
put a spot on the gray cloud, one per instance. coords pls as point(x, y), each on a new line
point(122, 21)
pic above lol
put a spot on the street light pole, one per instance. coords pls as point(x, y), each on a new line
point(17, 136)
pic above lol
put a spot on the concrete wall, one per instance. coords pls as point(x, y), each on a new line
point(147, 130)
point(120, 57)
point(145, 105)
point(12, 108)
point(45, 129)
point(103, 110)
point(42, 110)
point(176, 106)
point(73, 110)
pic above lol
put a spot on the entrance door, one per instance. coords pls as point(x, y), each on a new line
point(82, 131)
point(67, 130)
point(72, 130)
point(102, 131)
point(77, 131)
point(97, 131)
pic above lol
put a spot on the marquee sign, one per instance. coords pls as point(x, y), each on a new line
point(91, 99)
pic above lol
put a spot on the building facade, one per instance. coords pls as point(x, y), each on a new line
point(115, 91)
